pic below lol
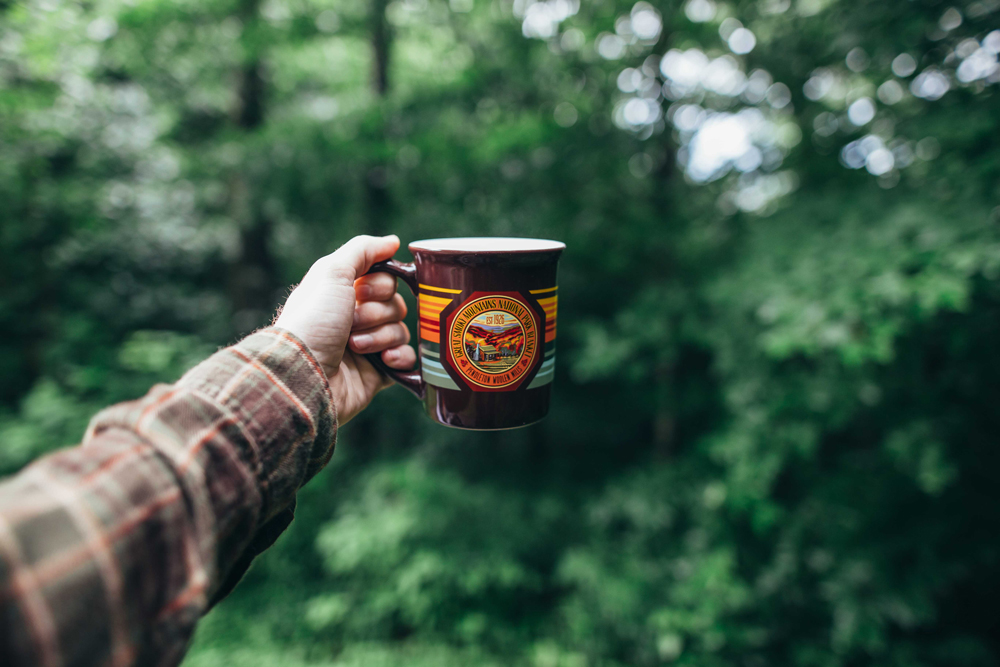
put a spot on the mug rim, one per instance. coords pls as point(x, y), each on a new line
point(480, 245)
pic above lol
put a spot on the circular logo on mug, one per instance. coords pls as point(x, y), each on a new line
point(493, 341)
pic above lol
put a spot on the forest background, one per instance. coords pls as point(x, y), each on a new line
point(774, 431)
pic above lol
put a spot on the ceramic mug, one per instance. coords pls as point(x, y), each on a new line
point(487, 329)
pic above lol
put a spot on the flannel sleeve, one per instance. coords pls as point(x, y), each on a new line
point(111, 551)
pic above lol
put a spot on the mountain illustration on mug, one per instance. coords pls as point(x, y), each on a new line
point(494, 341)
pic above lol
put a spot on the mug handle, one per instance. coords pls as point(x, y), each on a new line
point(412, 380)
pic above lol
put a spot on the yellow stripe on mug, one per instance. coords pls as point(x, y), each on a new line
point(430, 308)
point(446, 290)
point(551, 307)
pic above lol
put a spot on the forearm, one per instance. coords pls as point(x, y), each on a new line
point(114, 549)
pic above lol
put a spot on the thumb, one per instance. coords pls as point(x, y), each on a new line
point(353, 259)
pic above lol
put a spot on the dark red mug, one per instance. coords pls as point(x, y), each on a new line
point(487, 329)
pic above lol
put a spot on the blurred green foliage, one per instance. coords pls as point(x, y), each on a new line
point(773, 438)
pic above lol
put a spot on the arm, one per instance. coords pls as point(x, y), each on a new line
point(111, 551)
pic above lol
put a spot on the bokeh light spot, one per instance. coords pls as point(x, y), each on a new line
point(728, 27)
point(980, 64)
point(861, 112)
point(951, 19)
point(992, 42)
point(640, 165)
point(541, 20)
point(857, 60)
point(684, 69)
point(826, 124)
point(904, 65)
point(629, 80)
point(572, 40)
point(565, 114)
point(890, 92)
point(646, 22)
point(930, 85)
point(928, 148)
point(610, 47)
point(741, 41)
point(879, 161)
point(724, 76)
point(819, 84)
point(779, 96)
point(700, 11)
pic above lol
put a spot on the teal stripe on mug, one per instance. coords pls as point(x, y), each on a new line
point(436, 365)
point(545, 374)
point(435, 374)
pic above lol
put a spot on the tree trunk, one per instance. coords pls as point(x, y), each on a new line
point(253, 275)
point(381, 42)
point(377, 202)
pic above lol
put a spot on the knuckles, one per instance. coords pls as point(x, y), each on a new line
point(341, 274)
point(372, 313)
point(400, 305)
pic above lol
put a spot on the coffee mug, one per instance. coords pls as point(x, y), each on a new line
point(487, 329)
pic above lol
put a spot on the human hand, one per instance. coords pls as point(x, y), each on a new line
point(342, 314)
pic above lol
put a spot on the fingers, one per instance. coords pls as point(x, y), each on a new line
point(380, 338)
point(371, 314)
point(375, 287)
point(402, 357)
point(355, 257)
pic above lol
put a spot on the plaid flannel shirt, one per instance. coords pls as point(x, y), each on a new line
point(112, 550)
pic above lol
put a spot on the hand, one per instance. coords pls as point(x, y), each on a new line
point(334, 305)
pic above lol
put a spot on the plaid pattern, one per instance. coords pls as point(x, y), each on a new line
point(111, 551)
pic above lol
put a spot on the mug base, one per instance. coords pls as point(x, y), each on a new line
point(487, 411)
point(473, 428)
